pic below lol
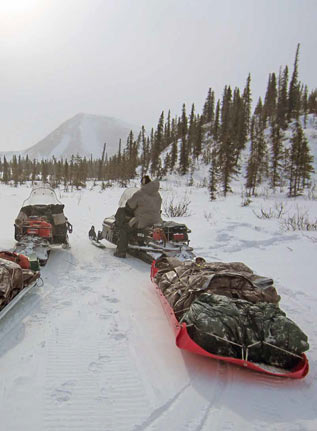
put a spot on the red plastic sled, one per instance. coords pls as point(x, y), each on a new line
point(184, 341)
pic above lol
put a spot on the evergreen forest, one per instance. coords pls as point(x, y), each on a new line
point(266, 145)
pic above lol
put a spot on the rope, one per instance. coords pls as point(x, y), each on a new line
point(244, 356)
point(37, 282)
point(283, 350)
point(216, 336)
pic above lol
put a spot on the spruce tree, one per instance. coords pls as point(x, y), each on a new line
point(131, 156)
point(239, 125)
point(300, 162)
point(184, 156)
point(312, 102)
point(216, 128)
point(191, 130)
point(209, 107)
point(34, 171)
point(226, 152)
point(276, 153)
point(294, 93)
point(270, 101)
point(174, 153)
point(66, 173)
point(101, 163)
point(282, 103)
point(247, 100)
point(6, 172)
point(167, 130)
point(15, 171)
point(213, 176)
point(158, 144)
point(304, 103)
point(144, 151)
point(44, 171)
point(198, 138)
point(257, 162)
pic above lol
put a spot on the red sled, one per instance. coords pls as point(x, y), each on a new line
point(185, 342)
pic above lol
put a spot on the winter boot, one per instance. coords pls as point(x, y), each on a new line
point(92, 233)
point(118, 253)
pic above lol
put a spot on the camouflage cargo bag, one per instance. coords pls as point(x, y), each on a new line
point(236, 328)
point(11, 281)
point(183, 282)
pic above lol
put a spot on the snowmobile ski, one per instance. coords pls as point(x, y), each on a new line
point(97, 243)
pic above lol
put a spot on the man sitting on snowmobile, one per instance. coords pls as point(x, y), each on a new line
point(143, 209)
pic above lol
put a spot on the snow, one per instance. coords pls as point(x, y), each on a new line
point(61, 147)
point(83, 134)
point(92, 349)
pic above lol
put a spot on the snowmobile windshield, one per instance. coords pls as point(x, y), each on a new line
point(126, 195)
point(41, 196)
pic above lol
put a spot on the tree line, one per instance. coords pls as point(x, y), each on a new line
point(225, 130)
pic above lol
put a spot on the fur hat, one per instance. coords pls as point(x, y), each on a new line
point(145, 179)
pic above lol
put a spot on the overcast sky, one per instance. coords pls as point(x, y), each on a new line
point(131, 59)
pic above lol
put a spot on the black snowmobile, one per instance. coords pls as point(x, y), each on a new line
point(168, 238)
point(41, 225)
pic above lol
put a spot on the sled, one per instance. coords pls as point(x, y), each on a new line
point(17, 299)
point(18, 276)
point(185, 342)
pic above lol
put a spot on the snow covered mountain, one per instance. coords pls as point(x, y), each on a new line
point(83, 134)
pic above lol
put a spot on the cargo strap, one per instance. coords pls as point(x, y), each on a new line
point(244, 349)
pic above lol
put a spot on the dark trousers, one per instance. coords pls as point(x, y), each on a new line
point(125, 231)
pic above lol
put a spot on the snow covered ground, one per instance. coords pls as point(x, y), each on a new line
point(92, 350)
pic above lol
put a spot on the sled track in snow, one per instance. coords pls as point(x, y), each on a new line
point(92, 382)
point(94, 391)
point(180, 410)
point(89, 373)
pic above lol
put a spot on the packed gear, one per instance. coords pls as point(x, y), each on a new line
point(16, 275)
point(41, 224)
point(225, 311)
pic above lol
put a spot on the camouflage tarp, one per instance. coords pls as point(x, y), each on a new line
point(230, 311)
point(11, 281)
point(183, 282)
point(234, 327)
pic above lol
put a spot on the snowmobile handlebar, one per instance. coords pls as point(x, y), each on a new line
point(69, 227)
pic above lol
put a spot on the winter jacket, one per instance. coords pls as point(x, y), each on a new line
point(146, 204)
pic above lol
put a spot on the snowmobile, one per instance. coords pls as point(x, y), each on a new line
point(41, 225)
point(168, 238)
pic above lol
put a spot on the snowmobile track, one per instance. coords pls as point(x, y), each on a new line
point(103, 372)
point(92, 380)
